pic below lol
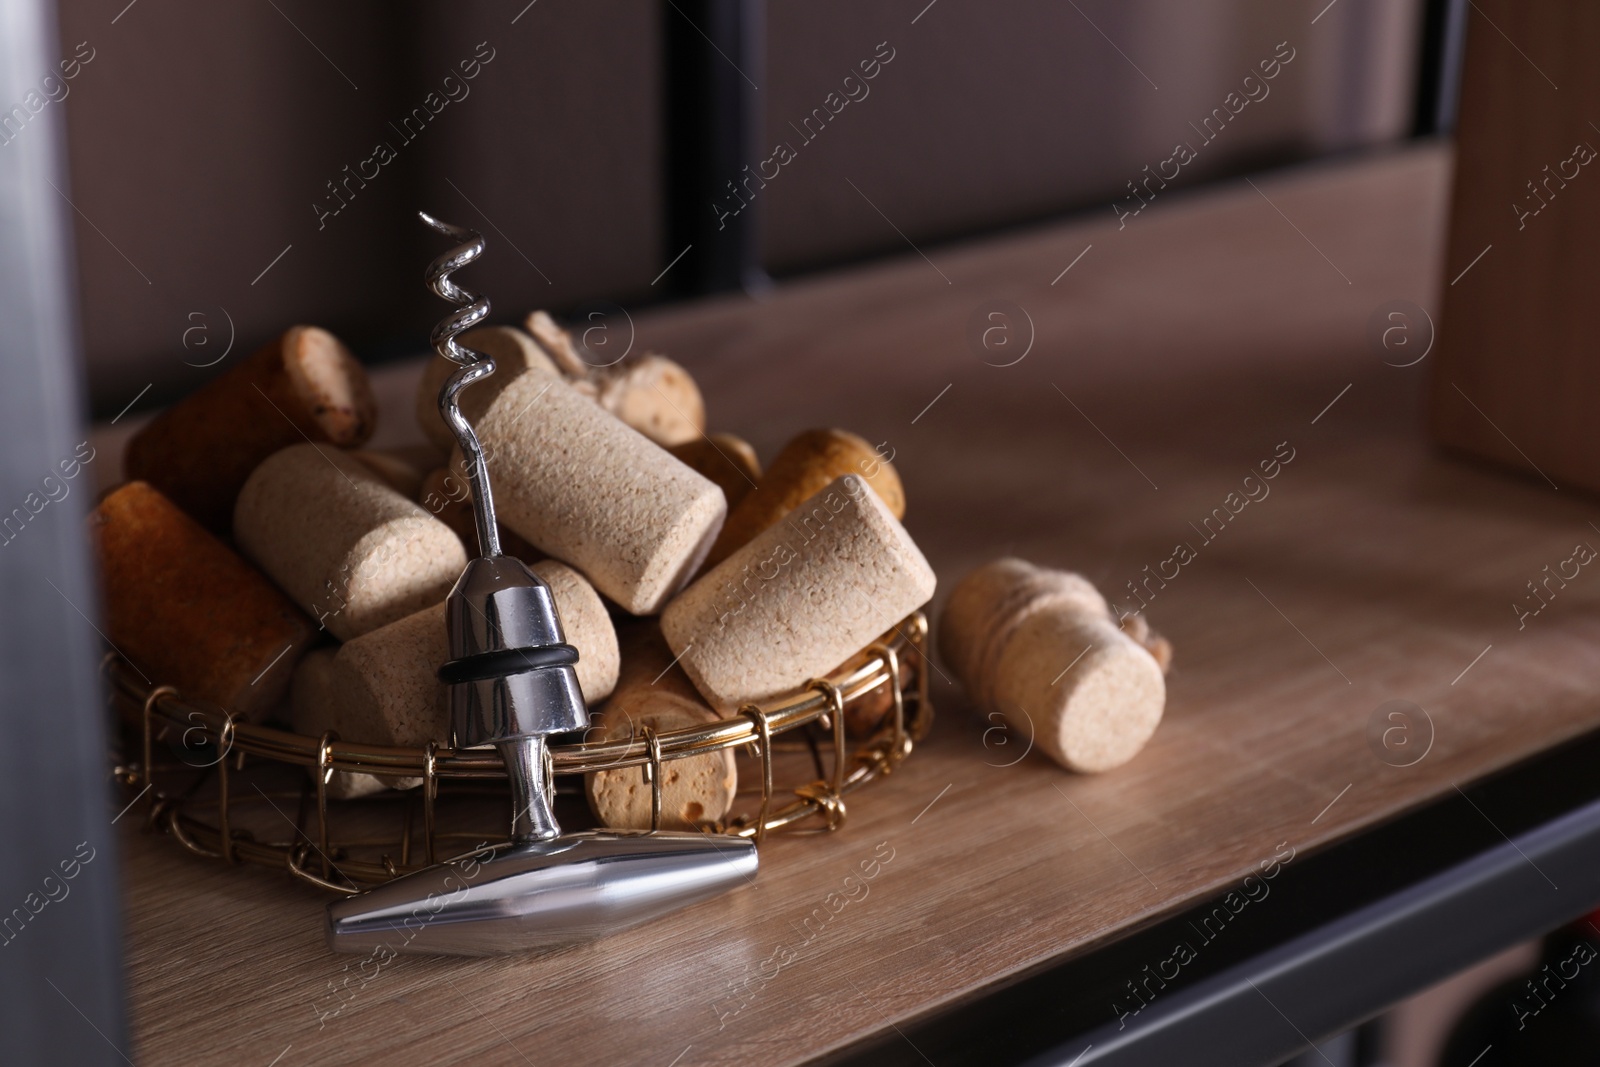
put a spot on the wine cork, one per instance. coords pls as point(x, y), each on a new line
point(651, 393)
point(1138, 628)
point(655, 396)
point(869, 712)
point(399, 469)
point(694, 790)
point(386, 687)
point(580, 485)
point(187, 611)
point(1041, 648)
point(512, 351)
point(446, 496)
point(303, 386)
point(314, 702)
point(725, 459)
point(587, 627)
point(648, 665)
point(382, 688)
point(1000, 590)
point(806, 464)
point(352, 551)
point(798, 600)
point(653, 691)
point(558, 345)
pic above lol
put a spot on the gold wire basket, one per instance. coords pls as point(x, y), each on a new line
point(207, 808)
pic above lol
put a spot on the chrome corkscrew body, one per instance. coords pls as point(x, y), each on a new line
point(475, 366)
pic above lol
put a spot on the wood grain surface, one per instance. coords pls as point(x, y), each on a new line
point(1170, 359)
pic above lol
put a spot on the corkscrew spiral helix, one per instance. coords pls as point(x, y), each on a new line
point(474, 308)
point(475, 366)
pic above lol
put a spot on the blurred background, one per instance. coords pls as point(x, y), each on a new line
point(210, 146)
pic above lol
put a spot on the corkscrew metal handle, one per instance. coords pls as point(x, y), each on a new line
point(475, 366)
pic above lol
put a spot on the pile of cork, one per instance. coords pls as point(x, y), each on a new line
point(263, 561)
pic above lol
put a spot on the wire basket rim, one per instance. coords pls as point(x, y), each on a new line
point(821, 700)
point(234, 734)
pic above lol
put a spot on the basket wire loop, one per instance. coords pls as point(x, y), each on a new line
point(224, 795)
point(149, 709)
point(176, 826)
point(919, 626)
point(430, 788)
point(764, 741)
point(325, 756)
point(196, 808)
point(296, 859)
point(829, 804)
point(827, 797)
point(176, 829)
point(835, 698)
point(324, 777)
point(891, 660)
point(652, 774)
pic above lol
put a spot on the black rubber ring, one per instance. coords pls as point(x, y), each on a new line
point(506, 662)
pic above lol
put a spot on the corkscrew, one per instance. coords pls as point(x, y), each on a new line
point(475, 366)
point(512, 684)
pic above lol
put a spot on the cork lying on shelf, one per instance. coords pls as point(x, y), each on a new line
point(1138, 628)
point(512, 351)
point(580, 485)
point(345, 546)
point(807, 463)
point(799, 599)
point(303, 386)
point(188, 611)
point(1041, 648)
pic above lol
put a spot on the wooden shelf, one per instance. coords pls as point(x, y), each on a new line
point(1191, 344)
